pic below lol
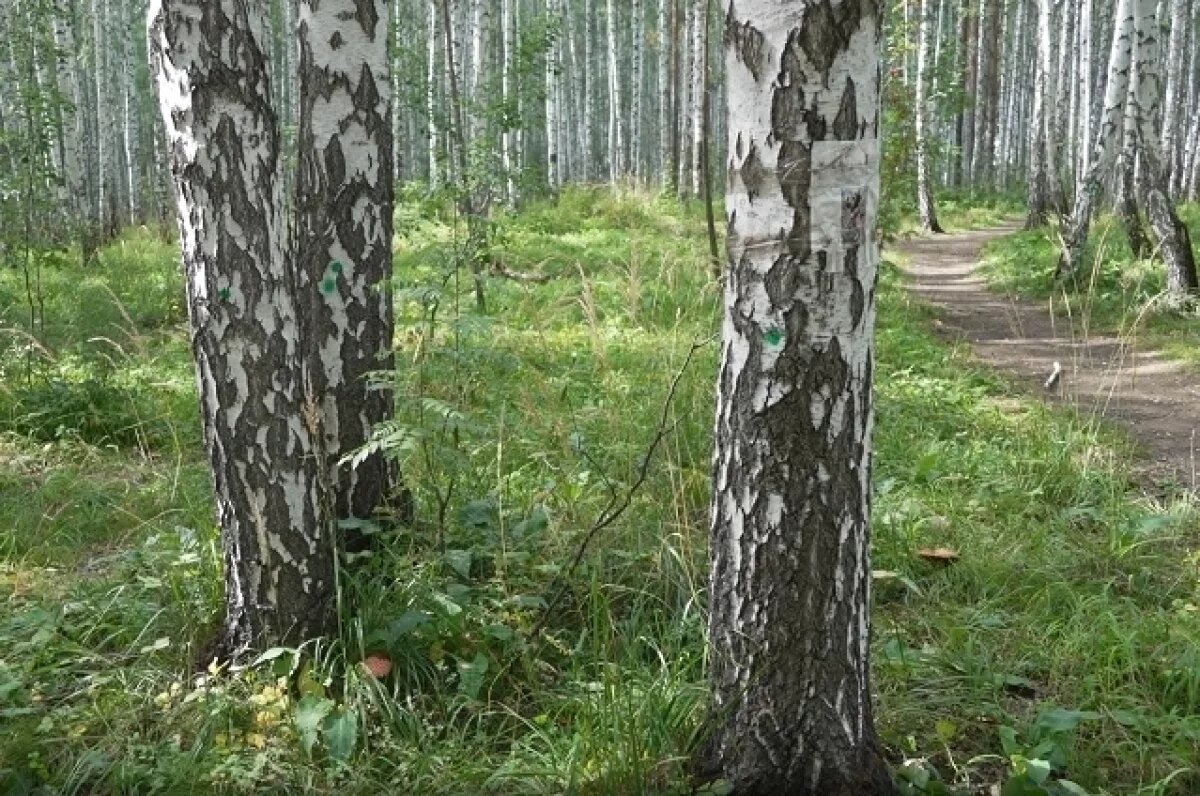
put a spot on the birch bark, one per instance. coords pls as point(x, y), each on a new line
point(1104, 150)
point(926, 208)
point(790, 573)
point(616, 119)
point(1173, 109)
point(1174, 242)
point(260, 428)
point(344, 236)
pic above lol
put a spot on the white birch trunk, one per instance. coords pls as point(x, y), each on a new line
point(73, 181)
point(1104, 148)
point(260, 427)
point(553, 177)
point(664, 93)
point(637, 45)
point(344, 236)
point(698, 87)
point(508, 36)
point(1173, 110)
point(1174, 243)
point(790, 573)
point(616, 119)
point(926, 208)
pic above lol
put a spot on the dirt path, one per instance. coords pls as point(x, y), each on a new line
point(1102, 376)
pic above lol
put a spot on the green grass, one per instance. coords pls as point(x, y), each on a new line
point(960, 211)
point(1114, 293)
point(1070, 620)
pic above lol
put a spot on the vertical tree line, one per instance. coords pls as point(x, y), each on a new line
point(1077, 105)
point(552, 92)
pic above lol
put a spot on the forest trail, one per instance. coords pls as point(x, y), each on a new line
point(1156, 399)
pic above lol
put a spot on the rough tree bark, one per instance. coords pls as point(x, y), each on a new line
point(1174, 242)
point(790, 575)
point(344, 237)
point(1104, 144)
point(926, 208)
point(260, 427)
point(965, 127)
point(1039, 176)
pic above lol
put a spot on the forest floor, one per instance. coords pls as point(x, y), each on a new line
point(1036, 614)
point(1101, 374)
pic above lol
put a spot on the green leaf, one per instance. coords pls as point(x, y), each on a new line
point(407, 623)
point(1070, 788)
point(341, 734)
point(159, 644)
point(946, 730)
point(1063, 720)
point(499, 632)
point(536, 522)
point(1037, 770)
point(447, 605)
point(269, 655)
point(470, 675)
point(915, 773)
point(308, 685)
point(1022, 786)
point(1008, 741)
point(478, 514)
point(460, 562)
point(310, 713)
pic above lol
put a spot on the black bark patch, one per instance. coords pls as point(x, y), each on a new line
point(747, 41)
point(794, 172)
point(788, 113)
point(754, 174)
point(858, 299)
point(367, 16)
point(782, 281)
point(826, 31)
point(845, 126)
point(818, 36)
point(367, 95)
point(336, 41)
point(335, 162)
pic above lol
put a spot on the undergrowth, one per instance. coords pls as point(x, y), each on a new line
point(1060, 646)
point(1115, 291)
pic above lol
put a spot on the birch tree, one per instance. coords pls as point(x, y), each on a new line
point(261, 426)
point(926, 208)
point(1174, 243)
point(1104, 144)
point(616, 119)
point(790, 573)
point(1175, 75)
point(1039, 175)
point(344, 235)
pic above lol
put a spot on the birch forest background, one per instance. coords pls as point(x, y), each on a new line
point(981, 96)
point(529, 612)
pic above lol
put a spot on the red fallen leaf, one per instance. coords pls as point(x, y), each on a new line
point(377, 665)
point(939, 555)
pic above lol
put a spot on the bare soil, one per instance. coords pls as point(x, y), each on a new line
point(1155, 399)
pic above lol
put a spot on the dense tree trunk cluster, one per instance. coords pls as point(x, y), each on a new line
point(1005, 95)
point(1024, 93)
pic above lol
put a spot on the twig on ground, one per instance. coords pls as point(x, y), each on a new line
point(619, 503)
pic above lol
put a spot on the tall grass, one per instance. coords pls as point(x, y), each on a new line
point(1066, 630)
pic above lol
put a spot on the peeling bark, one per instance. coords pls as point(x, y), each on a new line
point(790, 575)
point(344, 237)
point(259, 425)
